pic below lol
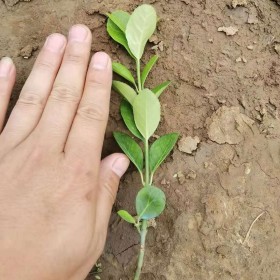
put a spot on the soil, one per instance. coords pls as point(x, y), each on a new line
point(223, 57)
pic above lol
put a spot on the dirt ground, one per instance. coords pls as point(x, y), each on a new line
point(223, 179)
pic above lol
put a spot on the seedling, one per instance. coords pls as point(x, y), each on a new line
point(140, 111)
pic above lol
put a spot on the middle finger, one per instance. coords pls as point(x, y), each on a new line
point(62, 103)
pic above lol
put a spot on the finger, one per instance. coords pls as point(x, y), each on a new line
point(67, 90)
point(87, 133)
point(111, 170)
point(34, 94)
point(7, 81)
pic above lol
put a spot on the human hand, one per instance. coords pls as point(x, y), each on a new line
point(56, 194)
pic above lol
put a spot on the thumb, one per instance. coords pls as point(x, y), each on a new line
point(111, 170)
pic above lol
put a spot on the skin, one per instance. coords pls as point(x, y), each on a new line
point(56, 194)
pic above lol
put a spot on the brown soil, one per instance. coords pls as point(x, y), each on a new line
point(225, 91)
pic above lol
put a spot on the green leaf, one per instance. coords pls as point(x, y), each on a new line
point(120, 19)
point(126, 216)
point(146, 110)
point(150, 202)
point(127, 115)
point(125, 90)
point(131, 149)
point(115, 32)
point(148, 68)
point(140, 27)
point(123, 72)
point(158, 90)
point(160, 149)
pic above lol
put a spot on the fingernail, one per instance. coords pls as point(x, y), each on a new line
point(55, 43)
point(78, 33)
point(6, 65)
point(120, 165)
point(100, 61)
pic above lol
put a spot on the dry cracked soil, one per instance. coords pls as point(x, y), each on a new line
point(223, 179)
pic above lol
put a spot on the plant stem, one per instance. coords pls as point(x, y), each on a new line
point(144, 226)
point(147, 163)
point(138, 66)
point(136, 87)
point(151, 179)
point(143, 235)
point(143, 229)
point(142, 179)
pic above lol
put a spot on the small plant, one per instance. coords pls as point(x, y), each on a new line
point(140, 111)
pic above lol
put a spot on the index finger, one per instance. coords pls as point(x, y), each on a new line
point(86, 137)
point(7, 80)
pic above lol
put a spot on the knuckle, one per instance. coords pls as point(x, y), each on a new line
point(98, 84)
point(45, 65)
point(74, 58)
point(95, 83)
point(28, 98)
point(75, 54)
point(80, 168)
point(93, 112)
point(65, 93)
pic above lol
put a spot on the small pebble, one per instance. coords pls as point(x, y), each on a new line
point(191, 175)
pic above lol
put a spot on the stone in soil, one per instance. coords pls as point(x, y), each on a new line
point(229, 31)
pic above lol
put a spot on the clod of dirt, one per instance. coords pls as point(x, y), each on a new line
point(191, 175)
point(181, 177)
point(224, 250)
point(187, 2)
point(11, 3)
point(234, 180)
point(252, 19)
point(27, 51)
point(188, 144)
point(228, 125)
point(164, 182)
point(159, 46)
point(236, 3)
point(277, 48)
point(241, 59)
point(230, 31)
point(154, 39)
point(152, 223)
point(273, 78)
point(221, 101)
point(217, 210)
